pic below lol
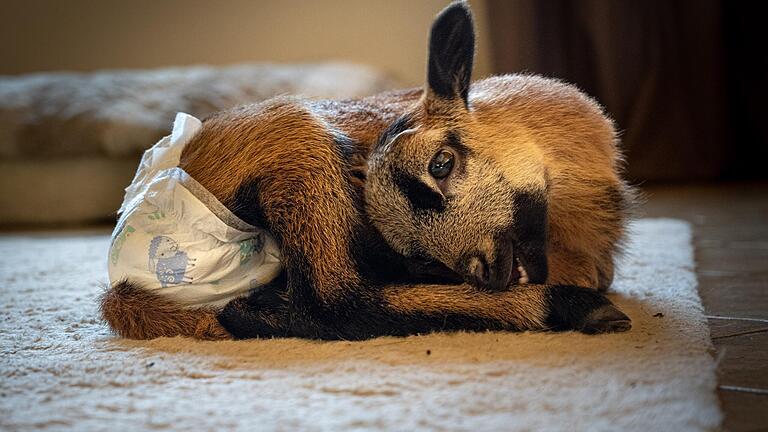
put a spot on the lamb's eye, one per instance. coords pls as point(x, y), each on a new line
point(441, 164)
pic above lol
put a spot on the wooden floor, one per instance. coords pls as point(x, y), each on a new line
point(731, 242)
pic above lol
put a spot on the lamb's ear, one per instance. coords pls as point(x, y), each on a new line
point(451, 53)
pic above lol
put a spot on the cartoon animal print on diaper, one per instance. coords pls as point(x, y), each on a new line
point(250, 247)
point(169, 264)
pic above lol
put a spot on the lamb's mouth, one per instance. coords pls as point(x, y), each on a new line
point(508, 270)
point(518, 275)
point(529, 265)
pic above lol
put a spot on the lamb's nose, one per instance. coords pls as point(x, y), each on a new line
point(477, 272)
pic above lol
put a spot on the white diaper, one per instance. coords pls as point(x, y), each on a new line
point(176, 239)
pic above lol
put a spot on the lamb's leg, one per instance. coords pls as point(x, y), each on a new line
point(408, 309)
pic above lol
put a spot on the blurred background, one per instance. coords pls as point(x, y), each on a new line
point(87, 85)
point(684, 80)
point(85, 35)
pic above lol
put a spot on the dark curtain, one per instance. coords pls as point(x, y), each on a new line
point(684, 80)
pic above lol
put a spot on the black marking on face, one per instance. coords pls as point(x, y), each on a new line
point(453, 140)
point(530, 234)
point(402, 124)
point(421, 197)
point(380, 264)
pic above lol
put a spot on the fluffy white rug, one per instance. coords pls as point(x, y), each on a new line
point(62, 369)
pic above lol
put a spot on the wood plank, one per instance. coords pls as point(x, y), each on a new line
point(744, 412)
point(731, 243)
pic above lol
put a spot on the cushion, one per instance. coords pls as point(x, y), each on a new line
point(120, 113)
point(70, 142)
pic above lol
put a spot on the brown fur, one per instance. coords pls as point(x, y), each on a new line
point(527, 133)
point(569, 147)
point(589, 202)
point(586, 219)
point(521, 308)
point(282, 130)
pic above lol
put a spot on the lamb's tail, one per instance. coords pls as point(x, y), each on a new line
point(136, 313)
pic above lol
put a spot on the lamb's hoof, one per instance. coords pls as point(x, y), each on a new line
point(606, 319)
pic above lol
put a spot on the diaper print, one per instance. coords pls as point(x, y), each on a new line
point(156, 215)
point(169, 264)
point(251, 246)
point(118, 242)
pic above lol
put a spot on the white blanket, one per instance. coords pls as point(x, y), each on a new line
point(61, 369)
